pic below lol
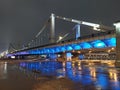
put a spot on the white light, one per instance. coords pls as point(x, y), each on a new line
point(76, 21)
point(95, 28)
point(5, 67)
point(117, 24)
point(2, 54)
point(109, 51)
point(13, 57)
point(113, 48)
point(90, 51)
point(91, 24)
point(60, 37)
point(59, 55)
point(64, 18)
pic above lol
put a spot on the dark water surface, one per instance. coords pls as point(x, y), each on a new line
point(51, 75)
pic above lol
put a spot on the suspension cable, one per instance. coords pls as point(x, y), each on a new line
point(43, 28)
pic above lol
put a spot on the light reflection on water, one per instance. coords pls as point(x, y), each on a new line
point(3, 70)
point(99, 77)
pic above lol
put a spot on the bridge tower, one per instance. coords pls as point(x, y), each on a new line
point(77, 29)
point(52, 28)
point(117, 25)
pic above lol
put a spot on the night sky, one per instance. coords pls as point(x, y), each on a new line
point(21, 20)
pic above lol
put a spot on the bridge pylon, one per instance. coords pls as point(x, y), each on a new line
point(52, 28)
point(77, 29)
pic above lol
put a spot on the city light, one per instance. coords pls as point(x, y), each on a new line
point(13, 57)
point(112, 48)
point(4, 54)
point(109, 51)
point(79, 52)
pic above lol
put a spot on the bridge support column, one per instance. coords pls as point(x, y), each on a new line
point(77, 28)
point(52, 56)
point(52, 28)
point(117, 25)
point(66, 56)
point(69, 56)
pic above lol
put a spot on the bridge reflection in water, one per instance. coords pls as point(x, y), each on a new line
point(100, 77)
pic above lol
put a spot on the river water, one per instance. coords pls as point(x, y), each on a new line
point(52, 75)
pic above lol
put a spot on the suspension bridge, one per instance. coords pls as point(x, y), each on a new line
point(103, 44)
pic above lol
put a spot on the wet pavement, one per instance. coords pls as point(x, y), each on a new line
point(58, 76)
point(11, 78)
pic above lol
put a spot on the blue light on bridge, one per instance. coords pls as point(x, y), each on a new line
point(109, 42)
point(38, 51)
point(34, 52)
point(48, 50)
point(57, 49)
point(41, 51)
point(85, 45)
point(69, 48)
point(76, 47)
point(52, 50)
point(63, 48)
point(44, 50)
point(98, 44)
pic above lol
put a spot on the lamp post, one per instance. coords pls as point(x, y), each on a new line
point(117, 26)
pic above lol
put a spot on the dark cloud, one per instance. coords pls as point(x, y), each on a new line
point(21, 20)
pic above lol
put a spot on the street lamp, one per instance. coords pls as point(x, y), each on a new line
point(60, 38)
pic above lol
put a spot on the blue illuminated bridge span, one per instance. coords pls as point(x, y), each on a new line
point(100, 41)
